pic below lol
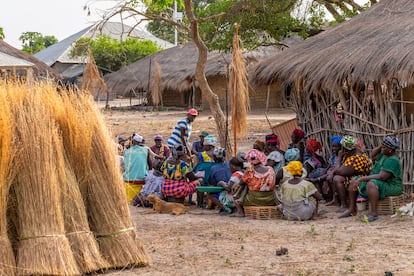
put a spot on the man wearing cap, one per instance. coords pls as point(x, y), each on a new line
point(182, 131)
point(137, 164)
point(198, 146)
point(162, 151)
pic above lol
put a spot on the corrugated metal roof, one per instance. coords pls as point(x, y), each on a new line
point(61, 50)
point(11, 61)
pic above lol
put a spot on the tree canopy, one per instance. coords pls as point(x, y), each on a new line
point(1, 34)
point(113, 54)
point(261, 21)
point(33, 42)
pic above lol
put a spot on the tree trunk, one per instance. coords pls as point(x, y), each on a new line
point(205, 88)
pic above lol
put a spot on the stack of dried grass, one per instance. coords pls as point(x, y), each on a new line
point(68, 212)
point(107, 204)
point(43, 248)
point(239, 89)
point(7, 260)
point(83, 243)
point(156, 86)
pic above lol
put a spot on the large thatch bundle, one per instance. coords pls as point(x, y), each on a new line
point(107, 204)
point(43, 247)
point(354, 78)
point(83, 243)
point(239, 89)
point(67, 212)
point(7, 153)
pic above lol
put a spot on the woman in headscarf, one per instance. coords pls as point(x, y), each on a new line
point(298, 141)
point(353, 163)
point(179, 181)
point(315, 164)
point(260, 181)
point(299, 197)
point(272, 143)
point(259, 145)
point(283, 174)
point(328, 189)
point(384, 180)
point(276, 160)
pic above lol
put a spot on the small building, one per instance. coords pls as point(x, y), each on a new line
point(18, 64)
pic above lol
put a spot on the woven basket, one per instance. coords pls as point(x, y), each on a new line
point(262, 212)
point(388, 205)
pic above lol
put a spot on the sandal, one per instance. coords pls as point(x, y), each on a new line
point(347, 214)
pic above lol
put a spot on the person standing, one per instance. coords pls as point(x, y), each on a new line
point(182, 131)
point(159, 149)
point(137, 164)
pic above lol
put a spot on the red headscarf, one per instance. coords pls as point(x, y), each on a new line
point(299, 133)
point(255, 157)
point(312, 145)
point(272, 138)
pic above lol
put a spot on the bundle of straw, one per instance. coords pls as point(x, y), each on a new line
point(92, 80)
point(43, 247)
point(7, 153)
point(107, 206)
point(239, 88)
point(156, 90)
point(82, 240)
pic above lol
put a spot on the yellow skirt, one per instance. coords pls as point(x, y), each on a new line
point(132, 190)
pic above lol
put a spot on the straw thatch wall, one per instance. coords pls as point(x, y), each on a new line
point(326, 78)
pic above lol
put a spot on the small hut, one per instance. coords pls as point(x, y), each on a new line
point(356, 78)
point(179, 88)
point(39, 69)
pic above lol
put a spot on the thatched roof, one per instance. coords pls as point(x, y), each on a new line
point(40, 69)
point(178, 65)
point(378, 44)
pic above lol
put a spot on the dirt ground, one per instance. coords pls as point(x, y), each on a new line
point(210, 244)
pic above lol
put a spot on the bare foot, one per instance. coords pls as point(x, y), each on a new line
point(333, 202)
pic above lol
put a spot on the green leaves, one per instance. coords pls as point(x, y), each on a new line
point(113, 54)
point(33, 42)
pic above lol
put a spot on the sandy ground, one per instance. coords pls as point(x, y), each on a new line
point(210, 244)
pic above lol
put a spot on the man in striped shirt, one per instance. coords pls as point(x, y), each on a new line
point(182, 131)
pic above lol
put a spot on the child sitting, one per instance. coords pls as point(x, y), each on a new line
point(153, 183)
point(226, 199)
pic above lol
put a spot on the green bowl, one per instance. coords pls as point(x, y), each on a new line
point(210, 189)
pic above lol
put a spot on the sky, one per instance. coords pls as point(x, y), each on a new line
point(60, 18)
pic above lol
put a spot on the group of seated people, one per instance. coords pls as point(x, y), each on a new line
point(296, 180)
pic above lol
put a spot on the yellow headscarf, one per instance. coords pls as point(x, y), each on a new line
point(295, 168)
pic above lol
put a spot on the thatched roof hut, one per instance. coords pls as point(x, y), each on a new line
point(356, 77)
point(177, 67)
point(40, 69)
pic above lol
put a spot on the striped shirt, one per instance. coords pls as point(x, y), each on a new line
point(175, 137)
